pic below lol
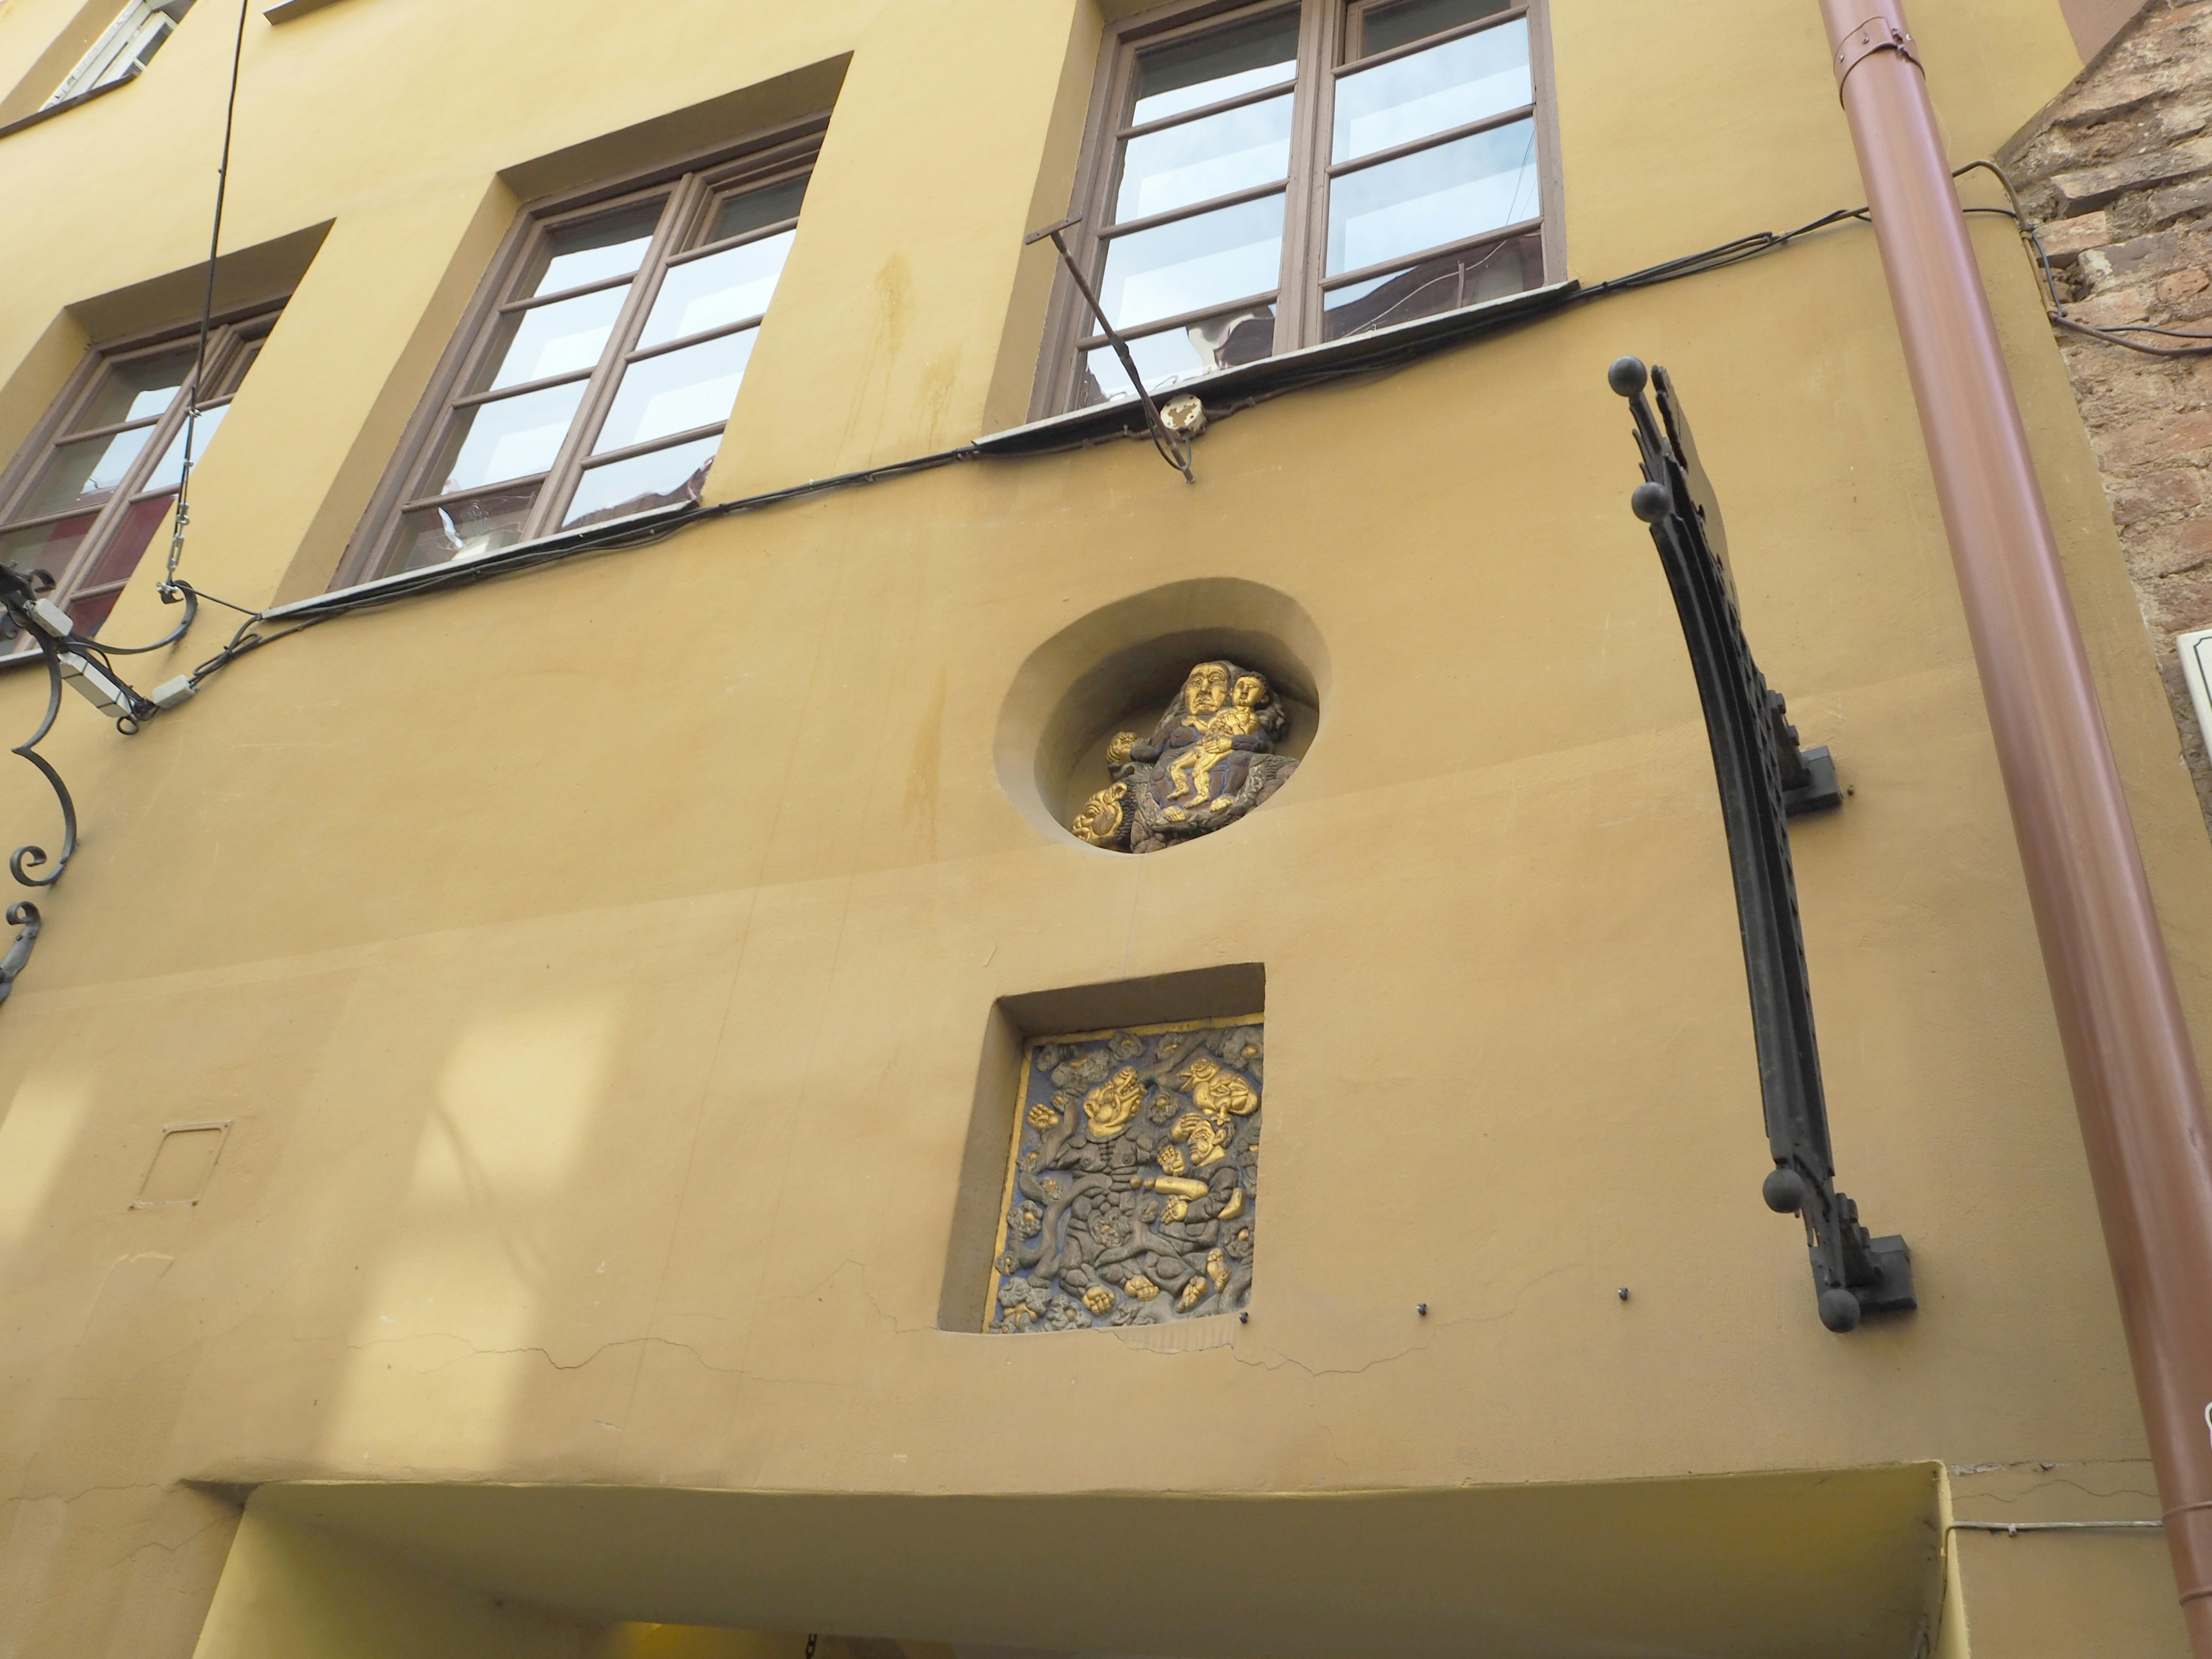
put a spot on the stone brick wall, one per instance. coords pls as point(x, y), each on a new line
point(2117, 174)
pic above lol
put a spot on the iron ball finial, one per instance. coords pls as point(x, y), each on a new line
point(1784, 1191)
point(1651, 503)
point(1839, 1310)
point(1628, 376)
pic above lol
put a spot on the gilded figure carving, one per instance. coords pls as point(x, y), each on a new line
point(1137, 1206)
point(1210, 761)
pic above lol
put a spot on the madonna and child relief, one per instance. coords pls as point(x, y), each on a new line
point(1211, 760)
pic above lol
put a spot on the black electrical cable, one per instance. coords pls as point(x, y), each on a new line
point(439, 578)
point(183, 515)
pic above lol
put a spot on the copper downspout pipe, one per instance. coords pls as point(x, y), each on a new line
point(2135, 1076)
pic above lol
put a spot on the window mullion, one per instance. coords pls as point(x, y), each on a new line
point(1306, 208)
point(568, 465)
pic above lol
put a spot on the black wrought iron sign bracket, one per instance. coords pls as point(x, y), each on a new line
point(71, 660)
point(1764, 776)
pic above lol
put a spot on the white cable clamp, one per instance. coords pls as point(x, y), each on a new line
point(94, 686)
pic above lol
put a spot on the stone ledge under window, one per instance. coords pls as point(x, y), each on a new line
point(285, 10)
point(68, 104)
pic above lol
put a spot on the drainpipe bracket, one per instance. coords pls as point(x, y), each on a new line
point(1863, 41)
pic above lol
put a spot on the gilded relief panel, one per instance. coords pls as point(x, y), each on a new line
point(1209, 761)
point(1133, 1193)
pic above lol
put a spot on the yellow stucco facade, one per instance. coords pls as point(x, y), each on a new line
point(593, 964)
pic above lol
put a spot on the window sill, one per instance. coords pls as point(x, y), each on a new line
point(477, 564)
point(68, 104)
point(285, 10)
point(1273, 374)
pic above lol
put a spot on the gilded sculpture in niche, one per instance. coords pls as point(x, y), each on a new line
point(1210, 761)
point(1133, 1186)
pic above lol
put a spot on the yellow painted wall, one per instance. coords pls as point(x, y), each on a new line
point(595, 963)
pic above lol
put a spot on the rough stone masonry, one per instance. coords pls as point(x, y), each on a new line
point(2116, 173)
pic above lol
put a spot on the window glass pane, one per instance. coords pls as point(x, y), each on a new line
point(168, 473)
point(482, 524)
point(1447, 86)
point(1433, 286)
point(136, 391)
point(594, 251)
point(133, 531)
point(1197, 160)
point(643, 482)
point(677, 391)
point(507, 438)
point(1388, 27)
point(752, 208)
point(84, 473)
point(717, 290)
point(564, 338)
point(49, 548)
point(1175, 355)
point(1194, 73)
point(1194, 263)
point(1432, 197)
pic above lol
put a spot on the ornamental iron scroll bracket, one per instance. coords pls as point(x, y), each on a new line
point(71, 658)
point(1755, 755)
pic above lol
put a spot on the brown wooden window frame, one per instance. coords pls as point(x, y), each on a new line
point(1328, 40)
point(234, 340)
point(695, 189)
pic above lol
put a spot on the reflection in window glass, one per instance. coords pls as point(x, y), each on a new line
point(1444, 194)
point(566, 336)
point(755, 209)
point(597, 250)
point(1192, 74)
point(507, 438)
point(659, 479)
point(1389, 27)
point(85, 473)
point(1197, 160)
point(139, 390)
point(1174, 355)
point(458, 530)
point(48, 547)
point(677, 391)
point(1195, 263)
point(1427, 92)
point(730, 287)
point(1444, 284)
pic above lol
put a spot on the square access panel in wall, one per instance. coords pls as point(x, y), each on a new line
point(182, 1162)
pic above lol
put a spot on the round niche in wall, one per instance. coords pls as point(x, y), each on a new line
point(1164, 716)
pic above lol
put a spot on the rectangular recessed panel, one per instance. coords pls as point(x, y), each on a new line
point(182, 1164)
point(1194, 263)
point(1132, 1185)
point(1463, 81)
point(1443, 194)
point(1196, 161)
